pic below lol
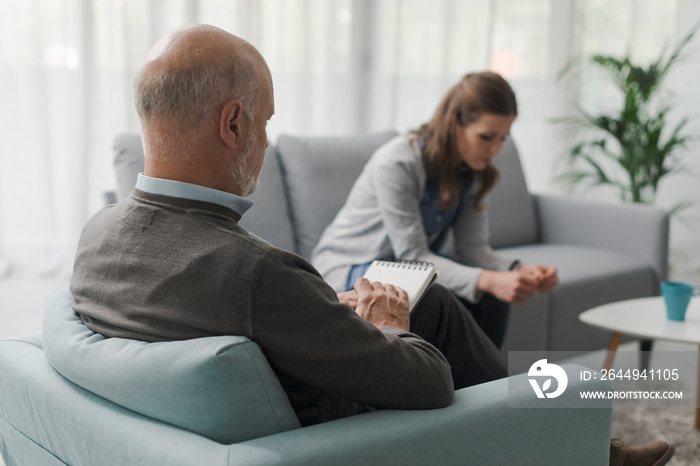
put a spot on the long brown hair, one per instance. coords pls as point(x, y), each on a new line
point(464, 103)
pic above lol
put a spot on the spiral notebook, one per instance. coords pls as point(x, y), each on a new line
point(415, 277)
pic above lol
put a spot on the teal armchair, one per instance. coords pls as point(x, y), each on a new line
point(72, 397)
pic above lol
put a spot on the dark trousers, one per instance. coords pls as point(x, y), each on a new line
point(441, 319)
point(492, 316)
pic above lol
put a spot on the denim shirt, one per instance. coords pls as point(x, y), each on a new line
point(437, 220)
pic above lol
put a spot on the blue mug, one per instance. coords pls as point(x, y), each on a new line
point(677, 296)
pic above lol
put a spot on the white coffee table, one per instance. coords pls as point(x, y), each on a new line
point(646, 318)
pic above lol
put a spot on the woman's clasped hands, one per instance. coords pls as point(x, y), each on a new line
point(518, 286)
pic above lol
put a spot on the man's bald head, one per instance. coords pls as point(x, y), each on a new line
point(185, 81)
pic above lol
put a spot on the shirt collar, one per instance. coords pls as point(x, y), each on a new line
point(194, 192)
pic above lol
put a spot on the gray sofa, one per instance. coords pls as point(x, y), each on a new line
point(604, 252)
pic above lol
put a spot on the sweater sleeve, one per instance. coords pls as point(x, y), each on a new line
point(398, 188)
point(471, 232)
point(305, 332)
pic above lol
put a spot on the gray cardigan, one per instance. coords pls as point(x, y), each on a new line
point(382, 217)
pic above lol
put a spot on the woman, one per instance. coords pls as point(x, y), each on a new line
point(418, 186)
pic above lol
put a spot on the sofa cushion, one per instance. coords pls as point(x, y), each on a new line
point(128, 162)
point(219, 387)
point(588, 277)
point(511, 209)
point(319, 173)
point(268, 218)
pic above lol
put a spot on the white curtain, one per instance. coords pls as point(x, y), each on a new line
point(339, 67)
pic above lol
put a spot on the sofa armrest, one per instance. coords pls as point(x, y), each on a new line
point(638, 230)
point(478, 428)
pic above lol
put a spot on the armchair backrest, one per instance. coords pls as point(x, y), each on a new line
point(221, 387)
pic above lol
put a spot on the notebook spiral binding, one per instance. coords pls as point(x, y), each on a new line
point(406, 263)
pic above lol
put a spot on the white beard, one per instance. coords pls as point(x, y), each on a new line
point(247, 182)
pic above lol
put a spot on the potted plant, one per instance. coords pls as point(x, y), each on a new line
point(633, 147)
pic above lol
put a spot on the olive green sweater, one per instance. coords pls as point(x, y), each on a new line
point(159, 268)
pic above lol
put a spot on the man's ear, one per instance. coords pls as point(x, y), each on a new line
point(231, 123)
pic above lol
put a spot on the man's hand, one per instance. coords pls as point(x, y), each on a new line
point(349, 298)
point(512, 287)
point(382, 305)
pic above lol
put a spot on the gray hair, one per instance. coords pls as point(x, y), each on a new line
point(186, 97)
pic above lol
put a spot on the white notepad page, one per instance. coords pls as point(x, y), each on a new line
point(414, 277)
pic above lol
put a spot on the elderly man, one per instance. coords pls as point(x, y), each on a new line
point(171, 263)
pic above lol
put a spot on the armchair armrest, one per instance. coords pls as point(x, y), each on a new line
point(39, 425)
point(638, 230)
point(477, 428)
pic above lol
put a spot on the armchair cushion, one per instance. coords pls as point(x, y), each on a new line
point(219, 387)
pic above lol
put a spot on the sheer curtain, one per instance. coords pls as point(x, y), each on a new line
point(339, 67)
